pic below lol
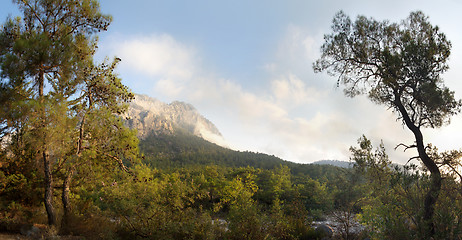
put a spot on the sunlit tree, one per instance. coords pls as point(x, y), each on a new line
point(55, 97)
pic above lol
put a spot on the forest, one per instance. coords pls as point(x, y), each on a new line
point(70, 168)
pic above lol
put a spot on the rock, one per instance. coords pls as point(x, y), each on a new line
point(29, 230)
point(324, 230)
point(151, 116)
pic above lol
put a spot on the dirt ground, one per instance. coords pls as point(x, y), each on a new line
point(11, 236)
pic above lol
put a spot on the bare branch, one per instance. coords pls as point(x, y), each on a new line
point(412, 158)
point(406, 147)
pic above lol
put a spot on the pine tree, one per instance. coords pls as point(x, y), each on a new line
point(56, 97)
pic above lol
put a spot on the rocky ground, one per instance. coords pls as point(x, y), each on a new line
point(338, 223)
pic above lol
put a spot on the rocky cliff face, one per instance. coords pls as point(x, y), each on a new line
point(151, 116)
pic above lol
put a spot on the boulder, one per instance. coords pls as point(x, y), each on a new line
point(324, 230)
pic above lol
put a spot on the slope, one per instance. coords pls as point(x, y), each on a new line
point(182, 149)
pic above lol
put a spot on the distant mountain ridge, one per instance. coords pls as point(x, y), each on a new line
point(337, 163)
point(151, 116)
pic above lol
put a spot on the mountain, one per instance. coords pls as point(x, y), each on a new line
point(151, 116)
point(176, 135)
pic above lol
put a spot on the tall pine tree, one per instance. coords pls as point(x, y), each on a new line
point(55, 97)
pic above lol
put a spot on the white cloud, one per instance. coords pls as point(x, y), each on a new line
point(169, 87)
point(297, 43)
point(158, 55)
point(163, 66)
point(290, 89)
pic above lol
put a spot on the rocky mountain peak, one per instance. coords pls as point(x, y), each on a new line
point(149, 115)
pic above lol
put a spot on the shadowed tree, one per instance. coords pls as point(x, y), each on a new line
point(397, 65)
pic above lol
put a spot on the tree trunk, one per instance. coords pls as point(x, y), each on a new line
point(48, 199)
point(67, 182)
point(66, 203)
point(435, 185)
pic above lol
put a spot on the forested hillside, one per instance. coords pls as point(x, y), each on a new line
point(172, 151)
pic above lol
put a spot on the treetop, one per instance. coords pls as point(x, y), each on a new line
point(394, 63)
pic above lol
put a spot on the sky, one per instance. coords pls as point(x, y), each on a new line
point(247, 67)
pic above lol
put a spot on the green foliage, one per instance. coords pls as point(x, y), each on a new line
point(156, 206)
point(449, 210)
point(244, 219)
point(393, 198)
point(197, 203)
point(315, 196)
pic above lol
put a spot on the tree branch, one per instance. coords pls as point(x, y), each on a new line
point(118, 160)
point(406, 147)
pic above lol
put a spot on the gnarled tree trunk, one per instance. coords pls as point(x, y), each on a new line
point(432, 195)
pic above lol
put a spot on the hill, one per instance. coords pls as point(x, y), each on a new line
point(181, 149)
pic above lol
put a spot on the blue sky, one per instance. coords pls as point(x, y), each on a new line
point(246, 66)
